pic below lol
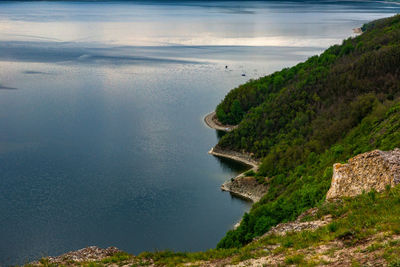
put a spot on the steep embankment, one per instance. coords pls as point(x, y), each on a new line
point(303, 119)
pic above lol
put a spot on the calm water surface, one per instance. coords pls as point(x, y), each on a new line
point(101, 104)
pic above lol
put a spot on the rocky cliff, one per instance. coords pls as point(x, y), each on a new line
point(371, 170)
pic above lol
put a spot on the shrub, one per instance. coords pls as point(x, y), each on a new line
point(250, 173)
point(294, 259)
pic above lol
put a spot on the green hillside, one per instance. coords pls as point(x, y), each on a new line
point(303, 119)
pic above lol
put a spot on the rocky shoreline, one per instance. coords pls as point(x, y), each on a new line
point(212, 121)
point(246, 158)
point(242, 186)
point(246, 187)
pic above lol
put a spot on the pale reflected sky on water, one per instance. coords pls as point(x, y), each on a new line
point(197, 24)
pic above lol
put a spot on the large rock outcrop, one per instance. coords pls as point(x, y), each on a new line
point(364, 172)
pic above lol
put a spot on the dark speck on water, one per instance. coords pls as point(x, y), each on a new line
point(7, 88)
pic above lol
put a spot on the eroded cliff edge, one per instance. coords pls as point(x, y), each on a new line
point(371, 170)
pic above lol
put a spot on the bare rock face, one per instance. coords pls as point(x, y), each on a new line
point(371, 170)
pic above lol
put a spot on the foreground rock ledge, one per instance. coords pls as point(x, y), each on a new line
point(88, 254)
point(371, 170)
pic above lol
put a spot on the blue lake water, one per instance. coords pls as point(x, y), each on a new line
point(102, 140)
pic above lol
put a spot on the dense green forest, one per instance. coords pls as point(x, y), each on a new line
point(301, 120)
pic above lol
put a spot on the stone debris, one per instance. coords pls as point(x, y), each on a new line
point(334, 253)
point(298, 225)
point(92, 253)
point(371, 170)
point(283, 228)
point(245, 187)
